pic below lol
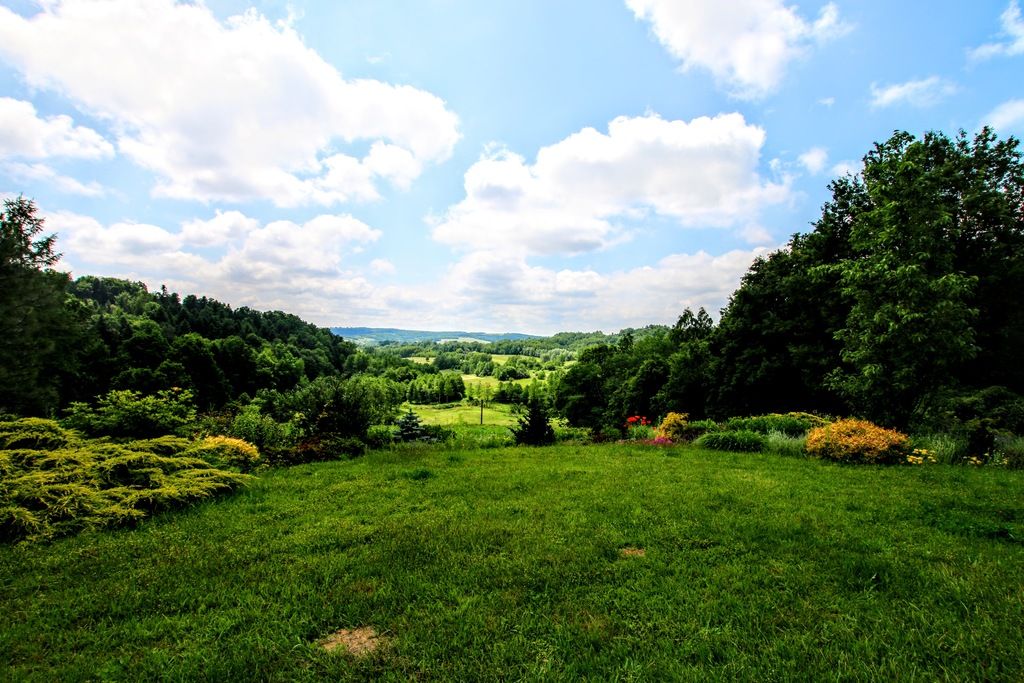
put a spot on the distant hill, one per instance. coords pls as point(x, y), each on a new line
point(376, 335)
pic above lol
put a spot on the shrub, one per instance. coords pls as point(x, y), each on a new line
point(1010, 451)
point(225, 451)
point(270, 437)
point(325, 447)
point(410, 427)
point(379, 436)
point(34, 433)
point(741, 440)
point(857, 441)
point(673, 426)
point(792, 424)
point(128, 413)
point(534, 428)
point(95, 483)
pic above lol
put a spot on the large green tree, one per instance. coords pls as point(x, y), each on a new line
point(38, 325)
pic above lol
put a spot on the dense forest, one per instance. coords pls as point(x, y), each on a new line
point(901, 305)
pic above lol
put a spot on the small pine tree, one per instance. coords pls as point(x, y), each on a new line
point(534, 428)
point(410, 428)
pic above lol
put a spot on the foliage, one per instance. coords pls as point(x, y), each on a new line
point(534, 427)
point(332, 407)
point(270, 437)
point(226, 451)
point(674, 426)
point(786, 444)
point(61, 488)
point(128, 413)
point(741, 440)
point(857, 441)
point(1010, 451)
point(41, 337)
point(791, 424)
point(34, 433)
point(410, 428)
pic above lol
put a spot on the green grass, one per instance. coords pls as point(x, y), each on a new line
point(505, 565)
point(465, 414)
point(491, 382)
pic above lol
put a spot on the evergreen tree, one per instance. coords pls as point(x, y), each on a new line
point(534, 428)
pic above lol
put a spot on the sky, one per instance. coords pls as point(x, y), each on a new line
point(508, 165)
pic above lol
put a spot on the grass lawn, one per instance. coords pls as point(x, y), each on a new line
point(490, 381)
point(464, 414)
point(508, 564)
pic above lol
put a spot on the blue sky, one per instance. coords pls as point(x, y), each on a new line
point(529, 166)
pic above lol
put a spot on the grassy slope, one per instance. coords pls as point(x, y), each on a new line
point(459, 413)
point(505, 564)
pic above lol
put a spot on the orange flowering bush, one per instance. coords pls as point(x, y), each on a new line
point(857, 441)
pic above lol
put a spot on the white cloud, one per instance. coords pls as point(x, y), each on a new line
point(755, 234)
point(814, 159)
point(24, 134)
point(382, 266)
point(581, 190)
point(227, 111)
point(920, 93)
point(501, 290)
point(43, 173)
point(843, 168)
point(827, 101)
point(747, 45)
point(1007, 116)
point(224, 227)
point(1013, 30)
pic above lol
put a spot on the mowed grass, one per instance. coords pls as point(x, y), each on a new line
point(507, 565)
point(465, 414)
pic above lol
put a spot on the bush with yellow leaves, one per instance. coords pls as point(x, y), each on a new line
point(857, 441)
point(226, 451)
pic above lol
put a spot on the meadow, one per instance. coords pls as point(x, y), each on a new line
point(610, 562)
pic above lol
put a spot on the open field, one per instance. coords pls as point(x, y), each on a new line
point(464, 414)
point(527, 564)
point(491, 382)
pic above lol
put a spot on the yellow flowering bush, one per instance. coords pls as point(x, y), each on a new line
point(857, 441)
point(674, 427)
point(227, 451)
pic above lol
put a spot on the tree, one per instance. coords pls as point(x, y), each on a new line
point(534, 428)
point(39, 328)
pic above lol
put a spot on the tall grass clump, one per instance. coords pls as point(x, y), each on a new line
point(791, 424)
point(784, 444)
point(742, 440)
point(947, 448)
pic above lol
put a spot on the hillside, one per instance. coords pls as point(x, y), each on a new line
point(377, 335)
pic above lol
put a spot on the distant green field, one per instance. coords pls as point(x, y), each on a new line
point(422, 360)
point(452, 414)
point(614, 562)
point(489, 381)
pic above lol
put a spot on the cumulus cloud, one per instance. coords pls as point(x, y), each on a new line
point(920, 93)
point(581, 191)
point(24, 134)
point(229, 111)
point(1007, 116)
point(297, 267)
point(1013, 30)
point(501, 290)
point(39, 172)
point(382, 266)
point(814, 159)
point(843, 168)
point(747, 45)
